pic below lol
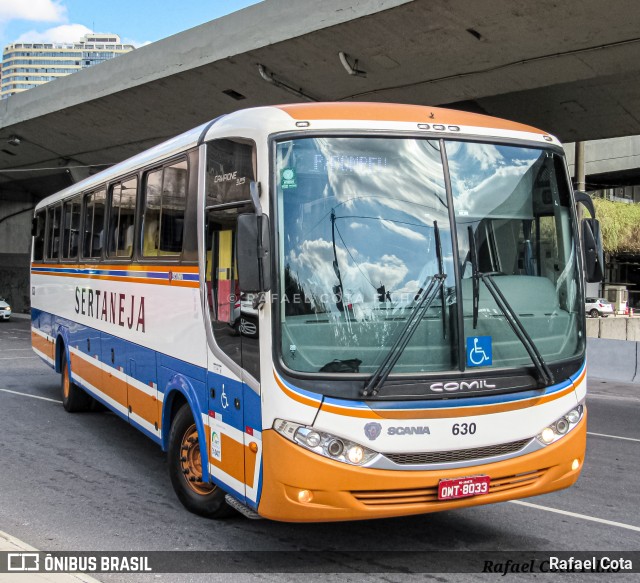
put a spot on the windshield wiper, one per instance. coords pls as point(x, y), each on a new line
point(546, 376)
point(380, 376)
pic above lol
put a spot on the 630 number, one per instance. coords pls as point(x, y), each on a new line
point(463, 428)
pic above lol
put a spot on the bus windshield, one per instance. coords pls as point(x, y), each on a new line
point(364, 223)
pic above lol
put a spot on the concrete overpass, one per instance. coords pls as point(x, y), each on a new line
point(568, 67)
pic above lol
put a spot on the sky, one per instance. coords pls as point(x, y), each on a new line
point(138, 22)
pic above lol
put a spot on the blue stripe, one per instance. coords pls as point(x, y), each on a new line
point(159, 275)
point(449, 403)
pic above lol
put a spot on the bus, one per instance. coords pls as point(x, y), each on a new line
point(329, 311)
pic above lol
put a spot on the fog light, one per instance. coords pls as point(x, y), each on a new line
point(355, 454)
point(305, 496)
point(547, 435)
point(575, 464)
point(562, 425)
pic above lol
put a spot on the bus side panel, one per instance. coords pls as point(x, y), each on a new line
point(253, 434)
point(175, 376)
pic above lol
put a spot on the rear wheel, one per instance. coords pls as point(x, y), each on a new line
point(594, 313)
point(185, 470)
point(74, 399)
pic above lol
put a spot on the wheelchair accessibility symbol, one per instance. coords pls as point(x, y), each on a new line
point(479, 351)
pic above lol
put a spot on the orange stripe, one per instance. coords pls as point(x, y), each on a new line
point(132, 267)
point(398, 113)
point(151, 281)
point(295, 396)
point(431, 413)
point(232, 454)
point(249, 466)
point(143, 405)
point(42, 344)
point(103, 381)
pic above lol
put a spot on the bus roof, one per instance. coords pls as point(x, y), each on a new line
point(324, 116)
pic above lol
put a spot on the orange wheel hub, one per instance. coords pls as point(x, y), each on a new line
point(191, 462)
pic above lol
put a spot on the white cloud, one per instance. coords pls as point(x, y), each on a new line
point(65, 33)
point(402, 231)
point(35, 10)
point(135, 43)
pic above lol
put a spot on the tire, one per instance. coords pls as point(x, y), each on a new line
point(74, 399)
point(204, 499)
point(594, 313)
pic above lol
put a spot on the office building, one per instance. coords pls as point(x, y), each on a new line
point(27, 65)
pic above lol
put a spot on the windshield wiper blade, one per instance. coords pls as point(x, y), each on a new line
point(475, 276)
point(380, 376)
point(546, 376)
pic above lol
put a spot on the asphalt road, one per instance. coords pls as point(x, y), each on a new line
point(90, 482)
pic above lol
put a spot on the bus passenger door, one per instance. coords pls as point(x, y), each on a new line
point(226, 439)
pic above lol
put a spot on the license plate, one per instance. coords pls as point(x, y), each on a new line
point(451, 489)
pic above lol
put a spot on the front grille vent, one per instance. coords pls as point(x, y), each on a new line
point(456, 455)
point(429, 494)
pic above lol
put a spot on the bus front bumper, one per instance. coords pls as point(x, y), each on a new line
point(338, 491)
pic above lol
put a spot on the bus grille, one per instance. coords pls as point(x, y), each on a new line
point(430, 495)
point(456, 455)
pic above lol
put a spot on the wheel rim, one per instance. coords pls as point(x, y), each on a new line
point(191, 462)
point(66, 383)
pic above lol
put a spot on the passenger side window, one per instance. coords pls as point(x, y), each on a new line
point(122, 214)
point(165, 203)
point(53, 240)
point(39, 237)
point(71, 231)
point(94, 224)
point(234, 321)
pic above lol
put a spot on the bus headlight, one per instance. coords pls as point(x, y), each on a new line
point(325, 444)
point(561, 426)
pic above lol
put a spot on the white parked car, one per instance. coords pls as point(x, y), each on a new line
point(596, 307)
point(5, 310)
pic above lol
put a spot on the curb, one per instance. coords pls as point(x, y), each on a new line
point(11, 544)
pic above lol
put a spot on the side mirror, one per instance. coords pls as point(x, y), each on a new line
point(591, 241)
point(592, 249)
point(254, 257)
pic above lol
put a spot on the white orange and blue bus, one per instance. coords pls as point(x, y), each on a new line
point(329, 312)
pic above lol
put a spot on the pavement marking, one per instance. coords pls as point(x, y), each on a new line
point(576, 515)
point(16, 357)
point(32, 396)
point(11, 544)
point(16, 349)
point(611, 397)
point(613, 436)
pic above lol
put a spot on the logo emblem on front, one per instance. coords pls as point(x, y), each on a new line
point(372, 430)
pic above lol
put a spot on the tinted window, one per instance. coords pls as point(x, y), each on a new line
point(53, 225)
point(122, 217)
point(71, 228)
point(94, 224)
point(38, 240)
point(230, 170)
point(165, 202)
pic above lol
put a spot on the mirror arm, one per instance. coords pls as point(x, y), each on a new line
point(254, 189)
point(584, 199)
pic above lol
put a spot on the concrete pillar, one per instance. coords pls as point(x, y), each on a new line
point(579, 167)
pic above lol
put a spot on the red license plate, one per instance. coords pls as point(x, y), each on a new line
point(463, 487)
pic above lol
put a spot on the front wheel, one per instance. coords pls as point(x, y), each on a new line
point(185, 470)
point(594, 313)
